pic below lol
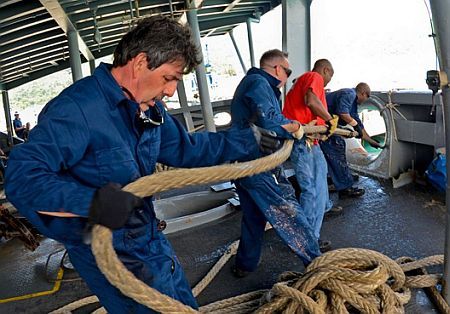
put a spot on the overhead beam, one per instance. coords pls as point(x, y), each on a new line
point(37, 74)
point(31, 41)
point(231, 5)
point(15, 11)
point(60, 16)
point(35, 48)
point(216, 23)
point(23, 34)
point(190, 4)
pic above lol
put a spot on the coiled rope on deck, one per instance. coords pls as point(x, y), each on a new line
point(362, 280)
point(366, 280)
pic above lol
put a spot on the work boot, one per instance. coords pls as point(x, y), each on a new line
point(334, 210)
point(331, 188)
point(324, 245)
point(239, 273)
point(351, 192)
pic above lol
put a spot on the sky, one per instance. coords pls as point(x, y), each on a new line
point(382, 42)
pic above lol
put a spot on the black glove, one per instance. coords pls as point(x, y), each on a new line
point(111, 206)
point(267, 140)
point(376, 144)
point(359, 130)
point(350, 129)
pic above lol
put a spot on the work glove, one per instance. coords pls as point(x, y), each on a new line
point(376, 144)
point(359, 130)
point(111, 207)
point(349, 128)
point(268, 141)
point(331, 125)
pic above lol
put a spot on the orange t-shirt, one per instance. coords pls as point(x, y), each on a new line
point(295, 107)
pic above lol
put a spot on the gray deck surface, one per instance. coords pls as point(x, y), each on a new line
point(396, 222)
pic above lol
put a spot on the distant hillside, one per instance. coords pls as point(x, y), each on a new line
point(40, 91)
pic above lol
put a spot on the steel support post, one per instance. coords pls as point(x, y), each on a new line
point(7, 109)
point(250, 42)
point(74, 55)
point(92, 66)
point(237, 51)
point(208, 116)
point(181, 91)
point(440, 10)
point(296, 35)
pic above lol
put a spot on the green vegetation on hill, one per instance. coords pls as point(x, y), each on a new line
point(37, 92)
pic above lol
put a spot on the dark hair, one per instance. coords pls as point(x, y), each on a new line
point(271, 55)
point(163, 40)
point(363, 88)
point(321, 63)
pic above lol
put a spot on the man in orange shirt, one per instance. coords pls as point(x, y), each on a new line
point(307, 104)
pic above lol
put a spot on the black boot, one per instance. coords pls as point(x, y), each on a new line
point(351, 192)
point(324, 245)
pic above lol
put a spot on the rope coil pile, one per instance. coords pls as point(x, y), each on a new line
point(342, 281)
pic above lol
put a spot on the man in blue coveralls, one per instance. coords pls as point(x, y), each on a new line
point(19, 128)
point(112, 127)
point(344, 103)
point(268, 196)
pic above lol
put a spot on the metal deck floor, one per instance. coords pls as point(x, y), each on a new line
point(396, 222)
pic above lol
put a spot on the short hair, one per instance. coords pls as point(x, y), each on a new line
point(363, 88)
point(321, 63)
point(163, 40)
point(271, 55)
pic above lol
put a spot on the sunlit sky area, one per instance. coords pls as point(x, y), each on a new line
point(385, 43)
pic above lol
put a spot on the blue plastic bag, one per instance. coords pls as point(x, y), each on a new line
point(437, 173)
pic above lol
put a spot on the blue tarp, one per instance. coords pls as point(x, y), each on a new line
point(437, 173)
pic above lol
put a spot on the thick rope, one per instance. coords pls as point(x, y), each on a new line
point(240, 303)
point(359, 278)
point(175, 179)
point(146, 187)
point(365, 280)
point(354, 277)
point(104, 253)
point(75, 305)
point(125, 281)
point(393, 108)
point(409, 264)
point(231, 250)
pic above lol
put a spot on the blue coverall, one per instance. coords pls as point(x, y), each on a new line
point(18, 124)
point(262, 198)
point(343, 101)
point(87, 137)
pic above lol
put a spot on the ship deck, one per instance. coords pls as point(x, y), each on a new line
point(407, 221)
